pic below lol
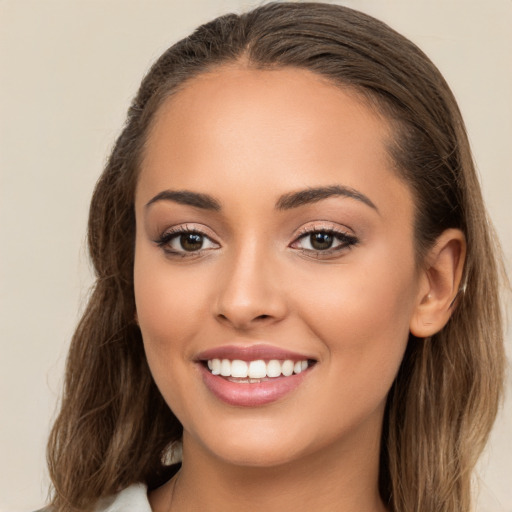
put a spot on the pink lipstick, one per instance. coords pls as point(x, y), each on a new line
point(252, 376)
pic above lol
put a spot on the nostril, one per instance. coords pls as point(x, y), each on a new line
point(244, 323)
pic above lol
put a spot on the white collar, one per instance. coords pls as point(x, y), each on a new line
point(131, 499)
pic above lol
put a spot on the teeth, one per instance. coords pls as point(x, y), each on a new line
point(273, 368)
point(253, 371)
point(287, 368)
point(257, 369)
point(225, 368)
point(215, 366)
point(239, 368)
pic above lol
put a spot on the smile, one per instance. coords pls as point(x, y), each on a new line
point(251, 376)
point(257, 370)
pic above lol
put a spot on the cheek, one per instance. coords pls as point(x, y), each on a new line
point(167, 311)
point(163, 309)
point(361, 311)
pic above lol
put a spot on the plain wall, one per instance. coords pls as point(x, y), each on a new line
point(68, 71)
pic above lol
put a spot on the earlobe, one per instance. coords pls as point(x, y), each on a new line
point(440, 284)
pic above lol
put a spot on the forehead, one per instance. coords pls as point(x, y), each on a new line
point(282, 129)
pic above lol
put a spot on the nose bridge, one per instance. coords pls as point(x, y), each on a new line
point(249, 291)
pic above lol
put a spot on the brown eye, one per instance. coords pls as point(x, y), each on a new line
point(191, 241)
point(324, 242)
point(186, 242)
point(321, 241)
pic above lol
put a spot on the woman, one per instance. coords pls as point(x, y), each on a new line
point(295, 277)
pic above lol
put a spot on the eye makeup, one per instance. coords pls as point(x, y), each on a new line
point(185, 241)
point(318, 241)
point(324, 242)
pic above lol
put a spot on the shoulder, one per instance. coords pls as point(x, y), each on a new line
point(131, 499)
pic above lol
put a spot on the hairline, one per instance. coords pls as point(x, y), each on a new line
point(375, 103)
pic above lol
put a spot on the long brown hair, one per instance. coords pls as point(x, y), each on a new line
point(114, 426)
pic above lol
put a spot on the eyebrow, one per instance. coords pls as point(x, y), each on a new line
point(203, 201)
point(313, 195)
point(285, 202)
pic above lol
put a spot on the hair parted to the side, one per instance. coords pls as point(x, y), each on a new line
point(114, 426)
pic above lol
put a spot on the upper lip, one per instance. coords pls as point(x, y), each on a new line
point(251, 353)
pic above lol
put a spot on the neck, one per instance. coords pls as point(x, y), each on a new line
point(345, 474)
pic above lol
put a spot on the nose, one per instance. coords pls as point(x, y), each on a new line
point(251, 292)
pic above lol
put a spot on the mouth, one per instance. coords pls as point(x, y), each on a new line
point(253, 376)
point(256, 371)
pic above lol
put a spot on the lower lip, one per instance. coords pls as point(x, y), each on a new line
point(244, 394)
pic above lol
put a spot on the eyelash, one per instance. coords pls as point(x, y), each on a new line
point(168, 236)
point(346, 240)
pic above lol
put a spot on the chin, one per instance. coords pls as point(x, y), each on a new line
point(250, 455)
point(257, 445)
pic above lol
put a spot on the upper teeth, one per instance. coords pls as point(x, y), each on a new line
point(255, 369)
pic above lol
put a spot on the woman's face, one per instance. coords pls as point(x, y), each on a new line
point(271, 227)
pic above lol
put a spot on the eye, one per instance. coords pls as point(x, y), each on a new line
point(319, 241)
point(185, 242)
point(325, 241)
point(188, 242)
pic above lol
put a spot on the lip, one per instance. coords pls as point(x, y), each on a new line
point(251, 395)
point(243, 394)
point(251, 353)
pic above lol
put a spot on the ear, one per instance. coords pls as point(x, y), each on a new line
point(439, 284)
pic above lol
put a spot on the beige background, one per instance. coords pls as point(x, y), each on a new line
point(68, 70)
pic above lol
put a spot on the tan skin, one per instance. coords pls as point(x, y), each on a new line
point(248, 138)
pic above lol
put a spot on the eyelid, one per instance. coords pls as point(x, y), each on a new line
point(188, 227)
point(344, 234)
point(328, 226)
point(172, 232)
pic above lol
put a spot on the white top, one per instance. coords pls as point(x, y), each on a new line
point(131, 499)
